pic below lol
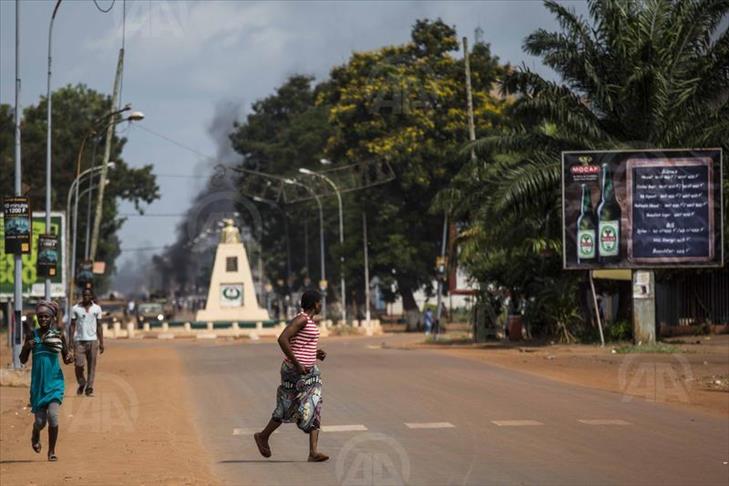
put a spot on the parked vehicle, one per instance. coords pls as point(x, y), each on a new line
point(150, 312)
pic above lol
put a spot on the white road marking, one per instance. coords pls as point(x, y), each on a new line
point(429, 425)
point(248, 431)
point(343, 428)
point(515, 423)
point(603, 422)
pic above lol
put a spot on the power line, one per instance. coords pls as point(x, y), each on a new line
point(175, 142)
point(108, 9)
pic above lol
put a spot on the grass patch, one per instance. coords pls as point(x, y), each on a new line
point(648, 348)
point(446, 339)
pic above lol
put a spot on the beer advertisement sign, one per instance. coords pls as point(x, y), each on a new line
point(642, 208)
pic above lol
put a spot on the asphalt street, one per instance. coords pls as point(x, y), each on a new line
point(394, 416)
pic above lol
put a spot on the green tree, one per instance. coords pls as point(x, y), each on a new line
point(406, 104)
point(75, 109)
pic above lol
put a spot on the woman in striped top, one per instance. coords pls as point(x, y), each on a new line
point(298, 398)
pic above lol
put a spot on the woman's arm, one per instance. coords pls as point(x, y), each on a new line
point(67, 357)
point(283, 340)
point(27, 347)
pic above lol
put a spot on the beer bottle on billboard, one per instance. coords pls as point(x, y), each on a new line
point(608, 217)
point(586, 229)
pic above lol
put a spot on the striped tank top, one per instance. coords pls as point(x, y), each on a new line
point(305, 342)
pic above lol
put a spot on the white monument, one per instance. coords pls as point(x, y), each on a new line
point(231, 296)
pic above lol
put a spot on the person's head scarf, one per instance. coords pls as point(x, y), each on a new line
point(50, 305)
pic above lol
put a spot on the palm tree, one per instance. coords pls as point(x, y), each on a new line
point(637, 74)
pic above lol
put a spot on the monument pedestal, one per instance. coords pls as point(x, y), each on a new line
point(231, 296)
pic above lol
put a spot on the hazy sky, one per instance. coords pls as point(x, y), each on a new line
point(185, 58)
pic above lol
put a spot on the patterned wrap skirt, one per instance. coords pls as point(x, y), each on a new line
point(298, 398)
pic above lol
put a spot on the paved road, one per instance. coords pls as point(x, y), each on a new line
point(418, 417)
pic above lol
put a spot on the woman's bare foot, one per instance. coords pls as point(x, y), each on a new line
point(318, 457)
point(262, 444)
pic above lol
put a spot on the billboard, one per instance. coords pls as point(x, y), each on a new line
point(33, 284)
point(642, 208)
point(16, 226)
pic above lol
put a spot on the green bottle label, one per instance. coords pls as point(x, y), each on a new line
point(609, 238)
point(586, 244)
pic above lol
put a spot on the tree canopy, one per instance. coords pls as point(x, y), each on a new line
point(75, 109)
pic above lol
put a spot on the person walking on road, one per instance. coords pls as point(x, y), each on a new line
point(88, 339)
point(46, 379)
point(428, 321)
point(298, 398)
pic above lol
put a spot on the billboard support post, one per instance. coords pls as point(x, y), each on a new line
point(597, 309)
point(644, 307)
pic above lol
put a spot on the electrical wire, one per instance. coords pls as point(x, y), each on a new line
point(108, 9)
point(175, 142)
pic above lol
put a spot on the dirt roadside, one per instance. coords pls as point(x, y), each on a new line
point(697, 377)
point(137, 429)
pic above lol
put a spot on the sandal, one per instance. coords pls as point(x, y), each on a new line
point(52, 457)
point(318, 457)
point(35, 441)
point(262, 447)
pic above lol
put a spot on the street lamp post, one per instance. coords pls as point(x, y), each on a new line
point(72, 261)
point(288, 242)
point(286, 230)
point(18, 277)
point(341, 232)
point(134, 116)
point(49, 102)
point(321, 240)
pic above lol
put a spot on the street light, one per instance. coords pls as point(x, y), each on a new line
point(288, 242)
point(308, 172)
point(49, 106)
point(286, 230)
point(72, 260)
point(321, 240)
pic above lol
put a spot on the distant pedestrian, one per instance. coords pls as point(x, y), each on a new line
point(46, 379)
point(428, 321)
point(88, 339)
point(298, 398)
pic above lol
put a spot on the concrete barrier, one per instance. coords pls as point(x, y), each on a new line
point(130, 330)
point(12, 377)
point(145, 327)
point(187, 327)
point(165, 327)
point(210, 326)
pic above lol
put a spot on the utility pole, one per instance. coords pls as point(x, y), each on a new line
point(469, 97)
point(107, 154)
point(441, 275)
point(366, 269)
point(18, 278)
